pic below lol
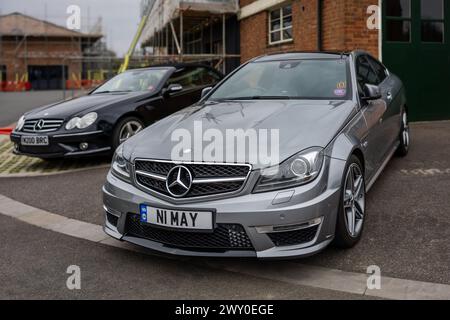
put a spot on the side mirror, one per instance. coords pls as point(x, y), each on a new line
point(371, 92)
point(206, 91)
point(173, 88)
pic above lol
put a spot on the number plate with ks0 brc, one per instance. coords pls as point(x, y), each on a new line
point(34, 141)
point(179, 219)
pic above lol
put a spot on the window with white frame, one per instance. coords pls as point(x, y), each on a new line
point(280, 25)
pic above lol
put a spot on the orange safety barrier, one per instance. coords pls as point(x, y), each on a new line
point(6, 131)
point(11, 86)
point(82, 84)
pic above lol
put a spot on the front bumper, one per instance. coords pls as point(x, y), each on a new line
point(64, 145)
point(258, 214)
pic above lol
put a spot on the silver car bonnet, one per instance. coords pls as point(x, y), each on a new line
point(301, 123)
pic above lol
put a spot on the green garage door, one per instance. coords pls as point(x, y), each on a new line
point(416, 47)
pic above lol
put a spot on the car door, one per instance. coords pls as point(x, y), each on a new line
point(390, 89)
point(373, 112)
point(192, 79)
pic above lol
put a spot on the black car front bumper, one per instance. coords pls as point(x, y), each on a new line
point(64, 145)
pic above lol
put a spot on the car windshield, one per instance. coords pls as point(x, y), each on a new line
point(133, 81)
point(289, 79)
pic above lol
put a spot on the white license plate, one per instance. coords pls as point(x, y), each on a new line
point(180, 219)
point(34, 141)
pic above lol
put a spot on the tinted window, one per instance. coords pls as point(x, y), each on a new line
point(295, 79)
point(432, 9)
point(432, 31)
point(398, 30)
point(379, 69)
point(398, 8)
point(134, 81)
point(183, 77)
point(209, 77)
point(365, 73)
point(432, 12)
point(398, 20)
point(194, 77)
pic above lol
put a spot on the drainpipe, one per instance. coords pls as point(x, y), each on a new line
point(319, 25)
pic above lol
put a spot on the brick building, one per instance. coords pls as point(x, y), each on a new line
point(305, 25)
point(39, 53)
point(412, 39)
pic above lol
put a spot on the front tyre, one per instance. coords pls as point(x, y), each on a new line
point(351, 215)
point(125, 129)
point(405, 136)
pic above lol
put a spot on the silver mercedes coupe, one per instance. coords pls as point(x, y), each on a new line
point(274, 162)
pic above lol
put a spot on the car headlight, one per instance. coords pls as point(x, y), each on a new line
point(297, 170)
point(120, 167)
point(83, 122)
point(20, 123)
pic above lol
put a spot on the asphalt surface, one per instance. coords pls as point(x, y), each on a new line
point(406, 233)
point(33, 265)
point(14, 104)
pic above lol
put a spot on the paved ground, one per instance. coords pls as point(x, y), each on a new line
point(14, 104)
point(407, 235)
point(14, 165)
point(34, 263)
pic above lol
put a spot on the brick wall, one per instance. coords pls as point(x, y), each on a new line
point(17, 58)
point(343, 23)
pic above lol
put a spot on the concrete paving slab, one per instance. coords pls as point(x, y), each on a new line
point(400, 289)
point(291, 273)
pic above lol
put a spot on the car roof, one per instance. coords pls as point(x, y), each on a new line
point(303, 55)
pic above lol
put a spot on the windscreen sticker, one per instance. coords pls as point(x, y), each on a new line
point(340, 92)
point(341, 85)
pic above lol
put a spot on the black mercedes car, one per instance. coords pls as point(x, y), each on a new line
point(100, 121)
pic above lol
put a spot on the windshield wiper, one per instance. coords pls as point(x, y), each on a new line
point(257, 98)
point(123, 91)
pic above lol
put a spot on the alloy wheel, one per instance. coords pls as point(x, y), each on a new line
point(354, 200)
point(129, 129)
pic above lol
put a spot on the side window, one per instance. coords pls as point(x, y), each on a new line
point(379, 69)
point(210, 77)
point(365, 73)
point(194, 77)
point(182, 77)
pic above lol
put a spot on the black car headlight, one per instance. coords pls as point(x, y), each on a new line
point(83, 122)
point(300, 169)
point(120, 167)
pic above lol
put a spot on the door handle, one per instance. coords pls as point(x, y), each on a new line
point(389, 95)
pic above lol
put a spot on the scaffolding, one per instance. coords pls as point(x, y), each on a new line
point(193, 31)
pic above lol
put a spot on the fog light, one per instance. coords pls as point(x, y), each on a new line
point(16, 147)
point(84, 146)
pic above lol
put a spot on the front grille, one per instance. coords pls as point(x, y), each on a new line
point(292, 238)
point(42, 125)
point(235, 176)
point(224, 236)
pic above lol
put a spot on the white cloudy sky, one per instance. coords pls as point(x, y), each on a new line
point(120, 17)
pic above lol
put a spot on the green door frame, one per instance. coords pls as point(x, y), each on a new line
point(424, 67)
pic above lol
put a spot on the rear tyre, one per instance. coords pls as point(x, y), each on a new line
point(125, 129)
point(351, 215)
point(405, 137)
